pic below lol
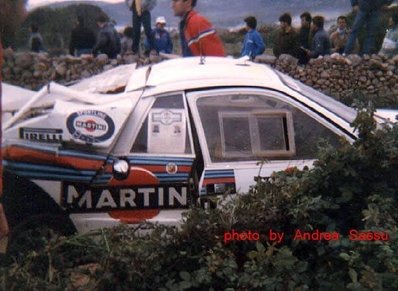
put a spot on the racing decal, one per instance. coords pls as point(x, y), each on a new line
point(167, 131)
point(160, 167)
point(133, 216)
point(217, 177)
point(167, 117)
point(137, 177)
point(40, 162)
point(149, 170)
point(77, 199)
point(171, 168)
point(91, 126)
point(50, 135)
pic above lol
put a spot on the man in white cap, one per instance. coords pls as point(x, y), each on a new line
point(163, 43)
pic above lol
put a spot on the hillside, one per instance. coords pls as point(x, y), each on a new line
point(230, 13)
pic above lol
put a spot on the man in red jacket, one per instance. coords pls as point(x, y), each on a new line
point(198, 36)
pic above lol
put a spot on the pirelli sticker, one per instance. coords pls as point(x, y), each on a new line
point(77, 198)
point(48, 135)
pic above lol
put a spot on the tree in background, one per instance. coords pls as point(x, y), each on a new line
point(56, 25)
point(12, 13)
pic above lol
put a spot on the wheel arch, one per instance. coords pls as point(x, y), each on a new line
point(23, 199)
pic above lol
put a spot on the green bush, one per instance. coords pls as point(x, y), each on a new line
point(353, 187)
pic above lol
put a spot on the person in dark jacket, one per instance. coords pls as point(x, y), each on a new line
point(36, 40)
point(253, 44)
point(287, 39)
point(320, 42)
point(127, 40)
point(108, 39)
point(163, 43)
point(368, 14)
point(82, 39)
point(305, 30)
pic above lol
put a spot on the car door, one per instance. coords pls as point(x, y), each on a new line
point(155, 149)
point(245, 133)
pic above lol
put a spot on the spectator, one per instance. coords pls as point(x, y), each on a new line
point(108, 38)
point(163, 43)
point(253, 44)
point(197, 35)
point(36, 40)
point(142, 17)
point(389, 47)
point(320, 42)
point(368, 13)
point(305, 30)
point(127, 40)
point(82, 39)
point(287, 39)
point(338, 38)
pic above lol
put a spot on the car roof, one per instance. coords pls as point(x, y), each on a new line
point(197, 73)
point(194, 72)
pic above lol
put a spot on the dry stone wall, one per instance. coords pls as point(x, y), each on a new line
point(338, 76)
point(34, 70)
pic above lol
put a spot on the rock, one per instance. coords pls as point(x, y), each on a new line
point(395, 59)
point(265, 59)
point(288, 59)
point(375, 64)
point(8, 54)
point(102, 59)
point(325, 75)
point(24, 60)
point(130, 59)
point(61, 70)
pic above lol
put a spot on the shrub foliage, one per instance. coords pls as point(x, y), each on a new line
point(354, 187)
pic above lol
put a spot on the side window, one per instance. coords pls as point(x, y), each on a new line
point(165, 129)
point(251, 127)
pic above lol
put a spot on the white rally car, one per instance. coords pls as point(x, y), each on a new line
point(76, 158)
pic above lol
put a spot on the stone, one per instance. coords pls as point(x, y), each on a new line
point(24, 60)
point(8, 54)
point(265, 59)
point(325, 75)
point(61, 70)
point(288, 59)
point(102, 59)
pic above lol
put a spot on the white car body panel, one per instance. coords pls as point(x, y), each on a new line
point(88, 162)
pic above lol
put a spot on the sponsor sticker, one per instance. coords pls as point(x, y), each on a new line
point(77, 198)
point(48, 135)
point(91, 126)
point(167, 117)
point(171, 168)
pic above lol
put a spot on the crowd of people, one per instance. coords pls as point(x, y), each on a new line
point(198, 36)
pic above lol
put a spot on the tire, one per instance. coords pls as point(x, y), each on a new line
point(36, 232)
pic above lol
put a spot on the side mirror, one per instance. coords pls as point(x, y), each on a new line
point(120, 169)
